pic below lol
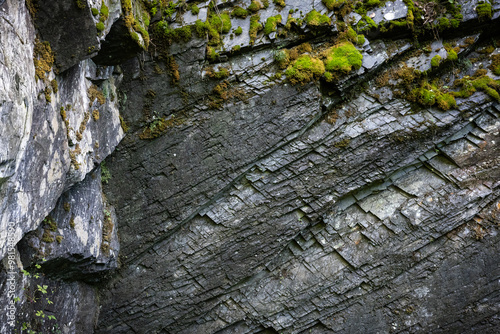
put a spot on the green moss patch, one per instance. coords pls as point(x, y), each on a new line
point(272, 24)
point(305, 69)
point(342, 59)
point(255, 27)
point(480, 81)
point(333, 4)
point(239, 12)
point(495, 64)
point(43, 58)
point(435, 61)
point(430, 95)
point(315, 19)
point(483, 10)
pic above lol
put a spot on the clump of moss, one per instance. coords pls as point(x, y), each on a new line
point(315, 19)
point(104, 12)
point(342, 59)
point(95, 115)
point(73, 154)
point(67, 206)
point(354, 37)
point(255, 27)
point(195, 10)
point(443, 23)
point(480, 81)
point(239, 12)
point(80, 4)
point(47, 237)
point(32, 7)
point(221, 22)
point(238, 31)
point(255, 6)
point(54, 85)
point(212, 55)
point(452, 55)
point(107, 231)
point(43, 58)
point(435, 61)
point(272, 24)
point(430, 95)
point(280, 3)
point(59, 239)
point(158, 126)
point(105, 173)
point(95, 11)
point(50, 223)
point(200, 28)
point(95, 93)
point(135, 27)
point(47, 92)
point(100, 26)
point(332, 4)
point(495, 64)
point(123, 124)
point(305, 69)
point(236, 48)
point(222, 73)
point(483, 10)
point(282, 58)
point(454, 23)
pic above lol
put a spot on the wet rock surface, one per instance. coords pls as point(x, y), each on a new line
point(262, 185)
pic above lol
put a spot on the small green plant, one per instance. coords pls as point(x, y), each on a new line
point(280, 3)
point(105, 173)
point(238, 31)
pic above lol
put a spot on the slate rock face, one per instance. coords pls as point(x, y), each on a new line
point(238, 202)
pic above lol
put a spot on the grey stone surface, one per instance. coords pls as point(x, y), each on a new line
point(247, 204)
point(332, 224)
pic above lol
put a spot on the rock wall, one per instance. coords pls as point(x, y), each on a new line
point(287, 167)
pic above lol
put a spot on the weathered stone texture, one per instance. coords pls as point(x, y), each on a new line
point(246, 204)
